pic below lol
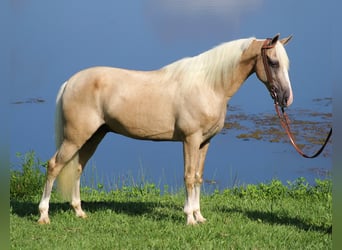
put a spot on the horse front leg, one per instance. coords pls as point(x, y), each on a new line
point(198, 182)
point(191, 159)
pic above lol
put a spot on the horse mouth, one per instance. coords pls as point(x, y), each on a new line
point(273, 92)
point(282, 102)
point(283, 99)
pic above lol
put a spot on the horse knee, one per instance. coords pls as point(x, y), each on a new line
point(52, 168)
point(189, 182)
point(199, 179)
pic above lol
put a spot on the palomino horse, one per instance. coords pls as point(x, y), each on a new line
point(185, 101)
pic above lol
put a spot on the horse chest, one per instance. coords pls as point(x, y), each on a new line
point(213, 127)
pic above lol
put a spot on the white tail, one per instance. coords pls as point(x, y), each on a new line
point(66, 179)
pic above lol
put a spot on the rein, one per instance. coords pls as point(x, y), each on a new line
point(284, 120)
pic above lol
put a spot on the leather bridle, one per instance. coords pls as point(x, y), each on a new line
point(284, 120)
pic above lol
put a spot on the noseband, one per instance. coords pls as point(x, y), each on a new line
point(284, 120)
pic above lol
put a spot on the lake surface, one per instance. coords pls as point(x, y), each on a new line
point(50, 41)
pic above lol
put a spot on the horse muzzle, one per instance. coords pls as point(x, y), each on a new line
point(282, 98)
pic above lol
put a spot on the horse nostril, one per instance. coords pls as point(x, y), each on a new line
point(286, 96)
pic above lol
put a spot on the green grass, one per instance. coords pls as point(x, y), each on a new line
point(264, 216)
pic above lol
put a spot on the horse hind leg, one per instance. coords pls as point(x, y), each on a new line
point(85, 153)
point(64, 156)
point(44, 202)
point(76, 198)
point(69, 185)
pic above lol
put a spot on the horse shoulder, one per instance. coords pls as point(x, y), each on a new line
point(202, 110)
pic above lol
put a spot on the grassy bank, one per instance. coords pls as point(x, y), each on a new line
point(265, 216)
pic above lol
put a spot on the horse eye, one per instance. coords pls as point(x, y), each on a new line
point(273, 63)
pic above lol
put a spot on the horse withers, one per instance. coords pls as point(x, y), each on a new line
point(184, 101)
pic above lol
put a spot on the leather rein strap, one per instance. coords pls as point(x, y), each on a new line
point(284, 120)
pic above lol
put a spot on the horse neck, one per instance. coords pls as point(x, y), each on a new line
point(243, 70)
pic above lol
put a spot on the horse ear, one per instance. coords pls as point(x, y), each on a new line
point(284, 41)
point(275, 39)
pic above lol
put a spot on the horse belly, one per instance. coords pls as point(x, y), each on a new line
point(142, 119)
point(142, 129)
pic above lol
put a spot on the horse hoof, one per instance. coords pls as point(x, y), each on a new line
point(191, 221)
point(199, 217)
point(44, 220)
point(202, 220)
point(82, 215)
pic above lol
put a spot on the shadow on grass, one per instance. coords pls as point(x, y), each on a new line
point(274, 218)
point(159, 211)
point(154, 210)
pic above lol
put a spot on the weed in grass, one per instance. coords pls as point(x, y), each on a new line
point(26, 182)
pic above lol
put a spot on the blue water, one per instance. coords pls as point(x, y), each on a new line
point(48, 44)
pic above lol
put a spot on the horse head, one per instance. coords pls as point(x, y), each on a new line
point(272, 69)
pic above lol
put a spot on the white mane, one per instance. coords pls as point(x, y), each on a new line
point(212, 66)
